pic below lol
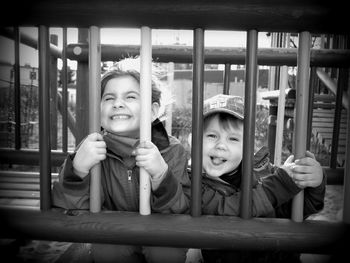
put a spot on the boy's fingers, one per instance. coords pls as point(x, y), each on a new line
point(310, 154)
point(306, 161)
point(290, 159)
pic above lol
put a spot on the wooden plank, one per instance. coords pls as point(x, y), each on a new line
point(9, 179)
point(10, 202)
point(20, 194)
point(19, 186)
point(327, 124)
point(328, 130)
point(318, 119)
point(24, 174)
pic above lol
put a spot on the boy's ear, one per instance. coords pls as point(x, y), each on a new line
point(155, 110)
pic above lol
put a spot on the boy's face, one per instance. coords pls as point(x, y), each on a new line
point(222, 148)
point(120, 106)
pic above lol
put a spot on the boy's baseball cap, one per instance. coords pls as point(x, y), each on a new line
point(230, 104)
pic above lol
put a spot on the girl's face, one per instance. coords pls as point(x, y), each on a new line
point(120, 106)
point(222, 148)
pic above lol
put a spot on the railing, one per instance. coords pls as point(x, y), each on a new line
point(195, 230)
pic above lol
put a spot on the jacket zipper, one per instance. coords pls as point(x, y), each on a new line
point(129, 172)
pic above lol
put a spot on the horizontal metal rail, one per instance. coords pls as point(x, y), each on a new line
point(215, 55)
point(271, 16)
point(30, 157)
point(175, 230)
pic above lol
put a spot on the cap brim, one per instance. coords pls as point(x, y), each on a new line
point(221, 110)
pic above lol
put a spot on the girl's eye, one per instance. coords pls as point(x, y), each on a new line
point(233, 139)
point(211, 135)
point(108, 98)
point(131, 97)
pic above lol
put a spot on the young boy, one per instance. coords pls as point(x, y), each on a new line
point(121, 155)
point(272, 194)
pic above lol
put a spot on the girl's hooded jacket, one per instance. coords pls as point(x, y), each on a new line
point(120, 177)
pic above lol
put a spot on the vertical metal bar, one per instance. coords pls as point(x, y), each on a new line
point(346, 186)
point(64, 93)
point(227, 73)
point(301, 106)
point(44, 118)
point(53, 95)
point(251, 76)
point(82, 94)
point(169, 107)
point(280, 115)
point(94, 111)
point(146, 117)
point(312, 87)
point(342, 82)
point(17, 99)
point(197, 121)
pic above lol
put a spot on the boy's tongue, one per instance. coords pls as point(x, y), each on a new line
point(217, 160)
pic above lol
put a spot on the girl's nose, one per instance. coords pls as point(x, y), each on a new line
point(118, 103)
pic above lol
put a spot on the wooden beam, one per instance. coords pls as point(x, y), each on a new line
point(282, 16)
point(173, 230)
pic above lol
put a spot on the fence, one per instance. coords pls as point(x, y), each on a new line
point(194, 230)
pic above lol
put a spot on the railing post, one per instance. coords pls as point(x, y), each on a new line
point(197, 121)
point(146, 117)
point(251, 77)
point(44, 119)
point(17, 87)
point(227, 74)
point(301, 107)
point(64, 81)
point(94, 111)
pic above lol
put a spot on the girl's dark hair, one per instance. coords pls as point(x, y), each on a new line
point(120, 70)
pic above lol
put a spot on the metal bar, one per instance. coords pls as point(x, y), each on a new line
point(216, 55)
point(29, 41)
point(249, 122)
point(283, 85)
point(64, 81)
point(276, 16)
point(44, 119)
point(342, 83)
point(30, 157)
point(94, 112)
point(145, 115)
point(53, 95)
point(82, 93)
point(197, 121)
point(301, 106)
point(17, 98)
point(312, 87)
point(227, 78)
point(175, 230)
point(346, 194)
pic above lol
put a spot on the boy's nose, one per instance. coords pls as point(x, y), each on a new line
point(221, 145)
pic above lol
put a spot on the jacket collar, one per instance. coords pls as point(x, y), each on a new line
point(122, 146)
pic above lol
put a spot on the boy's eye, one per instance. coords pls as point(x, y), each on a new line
point(234, 139)
point(131, 97)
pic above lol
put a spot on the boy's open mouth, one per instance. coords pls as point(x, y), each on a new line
point(217, 160)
